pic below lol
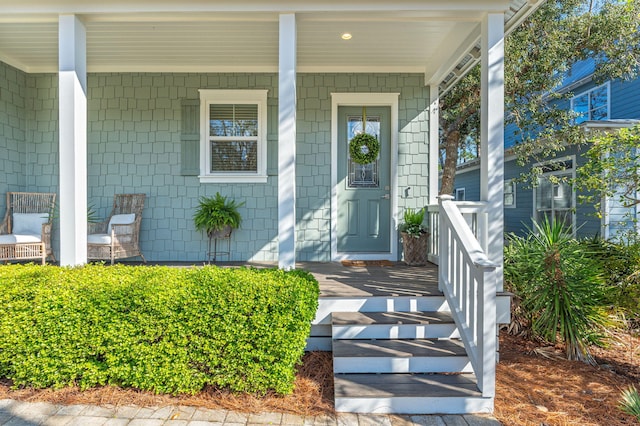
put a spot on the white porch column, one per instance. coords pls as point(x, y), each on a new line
point(492, 135)
point(434, 142)
point(287, 143)
point(73, 140)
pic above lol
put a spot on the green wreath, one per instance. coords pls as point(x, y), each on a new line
point(364, 148)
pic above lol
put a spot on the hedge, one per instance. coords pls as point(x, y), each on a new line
point(167, 330)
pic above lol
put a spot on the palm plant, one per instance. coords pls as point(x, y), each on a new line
point(630, 402)
point(560, 285)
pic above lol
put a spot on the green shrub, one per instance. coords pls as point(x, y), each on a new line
point(621, 265)
point(560, 286)
point(162, 329)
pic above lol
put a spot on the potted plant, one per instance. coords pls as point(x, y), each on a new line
point(217, 216)
point(415, 237)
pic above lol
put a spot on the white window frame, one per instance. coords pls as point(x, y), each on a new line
point(573, 207)
point(460, 191)
point(246, 97)
point(589, 109)
point(510, 183)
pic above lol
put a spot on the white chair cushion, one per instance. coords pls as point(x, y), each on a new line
point(121, 219)
point(28, 223)
point(18, 238)
point(99, 239)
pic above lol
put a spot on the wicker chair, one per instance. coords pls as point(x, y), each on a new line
point(118, 236)
point(25, 232)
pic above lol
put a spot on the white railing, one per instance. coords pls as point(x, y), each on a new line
point(432, 222)
point(473, 212)
point(468, 280)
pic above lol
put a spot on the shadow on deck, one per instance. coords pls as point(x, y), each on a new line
point(398, 280)
point(337, 280)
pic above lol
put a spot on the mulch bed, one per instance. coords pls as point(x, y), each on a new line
point(313, 394)
point(535, 387)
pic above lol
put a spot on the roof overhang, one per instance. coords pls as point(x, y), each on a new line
point(437, 38)
point(608, 124)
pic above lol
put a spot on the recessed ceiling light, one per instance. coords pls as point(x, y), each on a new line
point(346, 36)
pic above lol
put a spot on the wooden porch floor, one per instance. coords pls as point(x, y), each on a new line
point(398, 280)
point(336, 280)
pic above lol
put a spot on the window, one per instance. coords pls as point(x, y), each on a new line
point(233, 137)
point(460, 194)
point(592, 105)
point(553, 197)
point(509, 194)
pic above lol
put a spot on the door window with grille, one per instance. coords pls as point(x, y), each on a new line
point(363, 175)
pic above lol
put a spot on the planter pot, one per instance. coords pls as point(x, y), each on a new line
point(219, 234)
point(222, 233)
point(415, 249)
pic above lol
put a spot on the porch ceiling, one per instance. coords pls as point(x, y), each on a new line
point(432, 40)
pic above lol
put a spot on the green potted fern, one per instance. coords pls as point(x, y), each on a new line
point(217, 216)
point(415, 237)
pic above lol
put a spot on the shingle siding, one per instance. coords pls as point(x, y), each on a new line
point(13, 122)
point(134, 145)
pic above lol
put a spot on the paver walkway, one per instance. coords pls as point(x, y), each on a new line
point(16, 413)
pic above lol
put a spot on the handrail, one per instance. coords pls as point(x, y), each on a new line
point(475, 214)
point(468, 280)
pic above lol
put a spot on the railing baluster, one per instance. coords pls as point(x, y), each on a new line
point(468, 279)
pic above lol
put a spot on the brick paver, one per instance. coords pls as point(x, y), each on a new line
point(17, 413)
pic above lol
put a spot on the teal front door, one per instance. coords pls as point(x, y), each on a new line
point(364, 204)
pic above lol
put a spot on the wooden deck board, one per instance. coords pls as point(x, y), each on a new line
point(399, 280)
point(398, 348)
point(405, 385)
point(405, 318)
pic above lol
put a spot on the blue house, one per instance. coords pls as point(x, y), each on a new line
point(602, 107)
point(115, 98)
point(260, 101)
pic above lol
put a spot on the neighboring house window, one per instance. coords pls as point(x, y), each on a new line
point(554, 197)
point(460, 194)
point(509, 194)
point(233, 137)
point(592, 105)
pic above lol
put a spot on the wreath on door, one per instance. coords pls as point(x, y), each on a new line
point(364, 148)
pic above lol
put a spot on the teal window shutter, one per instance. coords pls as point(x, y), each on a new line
point(190, 138)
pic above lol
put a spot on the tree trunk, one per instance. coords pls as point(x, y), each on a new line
point(451, 160)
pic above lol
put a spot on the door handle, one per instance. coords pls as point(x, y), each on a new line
point(385, 196)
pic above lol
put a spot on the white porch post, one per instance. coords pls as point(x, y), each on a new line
point(434, 142)
point(73, 140)
point(492, 136)
point(287, 143)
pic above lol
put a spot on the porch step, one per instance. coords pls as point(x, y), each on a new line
point(399, 356)
point(402, 361)
point(393, 325)
point(409, 394)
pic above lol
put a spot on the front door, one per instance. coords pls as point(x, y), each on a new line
point(364, 203)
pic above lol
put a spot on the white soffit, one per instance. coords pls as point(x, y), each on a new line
point(390, 37)
point(223, 44)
